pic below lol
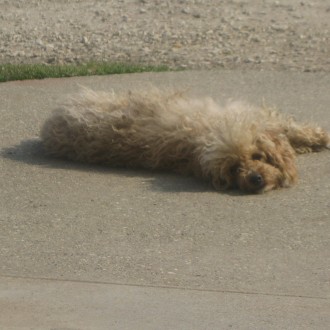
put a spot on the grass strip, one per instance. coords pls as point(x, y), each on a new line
point(10, 72)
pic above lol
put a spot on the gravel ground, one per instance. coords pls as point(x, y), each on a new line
point(244, 34)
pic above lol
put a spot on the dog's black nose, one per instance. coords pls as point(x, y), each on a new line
point(256, 179)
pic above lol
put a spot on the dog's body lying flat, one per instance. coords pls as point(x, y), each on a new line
point(236, 146)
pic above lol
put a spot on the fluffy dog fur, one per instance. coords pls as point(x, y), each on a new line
point(237, 146)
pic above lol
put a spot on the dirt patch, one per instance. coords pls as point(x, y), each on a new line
point(257, 34)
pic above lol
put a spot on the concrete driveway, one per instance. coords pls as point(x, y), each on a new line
point(89, 247)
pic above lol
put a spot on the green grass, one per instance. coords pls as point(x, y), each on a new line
point(9, 72)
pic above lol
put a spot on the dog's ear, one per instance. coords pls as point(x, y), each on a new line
point(220, 183)
point(281, 155)
point(224, 174)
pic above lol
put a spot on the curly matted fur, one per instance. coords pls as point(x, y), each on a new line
point(234, 146)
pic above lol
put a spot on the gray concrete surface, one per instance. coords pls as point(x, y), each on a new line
point(87, 247)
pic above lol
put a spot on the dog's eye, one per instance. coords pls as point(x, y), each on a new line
point(257, 156)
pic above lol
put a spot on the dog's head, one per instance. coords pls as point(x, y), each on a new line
point(267, 163)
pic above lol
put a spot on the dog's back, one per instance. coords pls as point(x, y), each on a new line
point(154, 130)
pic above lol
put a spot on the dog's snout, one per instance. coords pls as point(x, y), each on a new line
point(256, 179)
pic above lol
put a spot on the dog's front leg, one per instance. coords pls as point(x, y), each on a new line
point(307, 138)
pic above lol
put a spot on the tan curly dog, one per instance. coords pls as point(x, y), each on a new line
point(237, 146)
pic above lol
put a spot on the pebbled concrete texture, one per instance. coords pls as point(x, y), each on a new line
point(158, 244)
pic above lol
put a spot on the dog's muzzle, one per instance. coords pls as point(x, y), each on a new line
point(256, 181)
